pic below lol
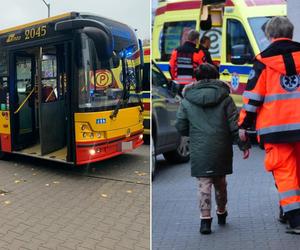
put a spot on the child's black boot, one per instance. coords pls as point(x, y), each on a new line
point(205, 227)
point(222, 218)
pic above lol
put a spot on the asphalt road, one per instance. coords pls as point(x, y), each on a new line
point(253, 210)
point(46, 205)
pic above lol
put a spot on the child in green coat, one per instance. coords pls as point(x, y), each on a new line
point(208, 115)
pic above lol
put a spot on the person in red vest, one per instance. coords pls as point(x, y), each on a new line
point(185, 59)
point(272, 99)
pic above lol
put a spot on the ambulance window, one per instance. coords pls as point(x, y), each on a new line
point(174, 35)
point(238, 49)
point(257, 25)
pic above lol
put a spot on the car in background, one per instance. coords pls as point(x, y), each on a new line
point(165, 139)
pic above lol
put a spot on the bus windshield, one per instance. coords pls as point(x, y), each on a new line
point(257, 25)
point(98, 85)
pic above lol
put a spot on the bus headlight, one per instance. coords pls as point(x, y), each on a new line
point(92, 151)
point(83, 127)
point(84, 135)
point(98, 135)
point(92, 135)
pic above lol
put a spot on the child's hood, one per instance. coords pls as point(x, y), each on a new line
point(206, 93)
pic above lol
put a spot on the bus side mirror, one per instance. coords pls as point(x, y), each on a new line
point(102, 42)
point(97, 31)
point(239, 54)
point(115, 60)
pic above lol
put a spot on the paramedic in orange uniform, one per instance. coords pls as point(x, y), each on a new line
point(185, 60)
point(272, 98)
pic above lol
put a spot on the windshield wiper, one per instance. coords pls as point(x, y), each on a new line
point(125, 94)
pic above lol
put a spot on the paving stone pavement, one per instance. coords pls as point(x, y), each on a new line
point(53, 206)
point(252, 222)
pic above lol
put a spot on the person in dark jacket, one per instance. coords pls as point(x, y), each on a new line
point(208, 115)
point(205, 46)
point(185, 59)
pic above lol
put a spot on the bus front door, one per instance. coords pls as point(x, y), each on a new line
point(23, 101)
point(52, 115)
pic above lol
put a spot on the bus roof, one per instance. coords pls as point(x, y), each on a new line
point(122, 33)
point(42, 21)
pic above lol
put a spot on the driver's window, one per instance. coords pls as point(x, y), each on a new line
point(238, 44)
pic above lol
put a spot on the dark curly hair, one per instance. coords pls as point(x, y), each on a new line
point(206, 71)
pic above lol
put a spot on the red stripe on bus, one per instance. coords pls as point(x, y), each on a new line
point(147, 52)
point(146, 106)
point(263, 2)
point(105, 151)
point(5, 143)
point(188, 5)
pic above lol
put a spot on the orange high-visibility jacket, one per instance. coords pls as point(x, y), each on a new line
point(184, 62)
point(272, 95)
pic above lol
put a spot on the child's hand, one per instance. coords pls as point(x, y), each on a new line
point(243, 135)
point(246, 154)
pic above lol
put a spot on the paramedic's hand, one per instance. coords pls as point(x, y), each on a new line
point(246, 154)
point(243, 135)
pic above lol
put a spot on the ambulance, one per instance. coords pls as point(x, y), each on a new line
point(235, 28)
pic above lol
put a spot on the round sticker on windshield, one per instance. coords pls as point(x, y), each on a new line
point(235, 81)
point(104, 78)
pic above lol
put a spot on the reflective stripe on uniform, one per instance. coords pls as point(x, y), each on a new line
point(250, 108)
point(285, 96)
point(290, 193)
point(278, 128)
point(185, 66)
point(184, 59)
point(253, 96)
point(290, 207)
point(184, 77)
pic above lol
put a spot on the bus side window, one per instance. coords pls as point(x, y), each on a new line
point(238, 49)
point(174, 35)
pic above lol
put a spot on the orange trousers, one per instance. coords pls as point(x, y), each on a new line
point(283, 160)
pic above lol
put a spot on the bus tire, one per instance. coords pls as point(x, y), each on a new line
point(181, 154)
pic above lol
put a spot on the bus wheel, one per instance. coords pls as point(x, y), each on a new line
point(181, 154)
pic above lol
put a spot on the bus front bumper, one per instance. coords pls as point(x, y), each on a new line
point(98, 151)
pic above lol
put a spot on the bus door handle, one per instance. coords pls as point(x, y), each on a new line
point(225, 73)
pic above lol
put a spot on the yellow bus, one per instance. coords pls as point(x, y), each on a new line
point(65, 89)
